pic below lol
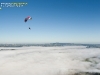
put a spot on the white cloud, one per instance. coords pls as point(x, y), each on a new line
point(48, 60)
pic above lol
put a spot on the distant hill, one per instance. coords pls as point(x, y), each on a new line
point(51, 45)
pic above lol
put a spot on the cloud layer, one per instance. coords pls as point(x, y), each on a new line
point(49, 60)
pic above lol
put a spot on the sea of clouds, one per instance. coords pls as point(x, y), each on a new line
point(49, 60)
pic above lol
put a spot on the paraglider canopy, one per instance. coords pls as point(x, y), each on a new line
point(27, 18)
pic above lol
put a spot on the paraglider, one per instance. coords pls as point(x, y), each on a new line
point(28, 18)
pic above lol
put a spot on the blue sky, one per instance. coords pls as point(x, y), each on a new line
point(70, 21)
